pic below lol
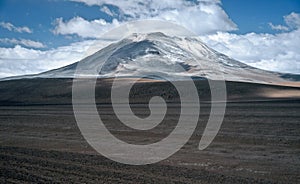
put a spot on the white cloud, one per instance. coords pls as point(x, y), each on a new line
point(24, 42)
point(292, 21)
point(274, 52)
point(21, 61)
point(82, 27)
point(278, 27)
point(201, 17)
point(279, 52)
point(9, 26)
point(106, 10)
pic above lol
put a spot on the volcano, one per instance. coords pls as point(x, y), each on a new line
point(156, 53)
point(150, 56)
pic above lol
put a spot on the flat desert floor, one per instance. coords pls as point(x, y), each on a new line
point(259, 142)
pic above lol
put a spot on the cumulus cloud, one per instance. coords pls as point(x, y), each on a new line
point(292, 22)
point(278, 27)
point(24, 42)
point(106, 10)
point(82, 27)
point(9, 26)
point(201, 17)
point(279, 52)
point(275, 52)
point(21, 61)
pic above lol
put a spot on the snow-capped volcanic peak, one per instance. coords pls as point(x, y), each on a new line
point(145, 53)
point(141, 54)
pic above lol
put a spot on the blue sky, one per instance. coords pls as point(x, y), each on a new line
point(254, 15)
point(34, 27)
point(39, 15)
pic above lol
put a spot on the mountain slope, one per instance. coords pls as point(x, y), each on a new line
point(159, 54)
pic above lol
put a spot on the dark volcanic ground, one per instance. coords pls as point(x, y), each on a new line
point(259, 142)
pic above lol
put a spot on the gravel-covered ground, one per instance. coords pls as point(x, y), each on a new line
point(259, 142)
